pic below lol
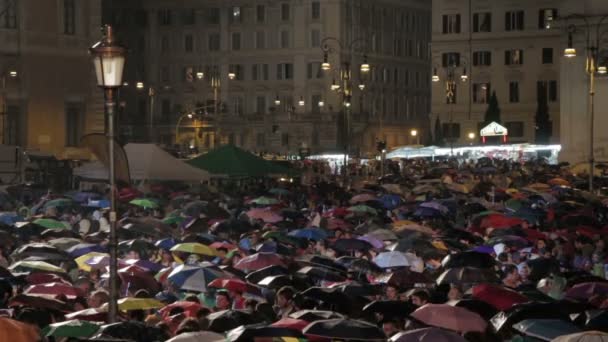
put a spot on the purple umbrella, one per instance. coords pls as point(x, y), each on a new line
point(484, 249)
point(372, 241)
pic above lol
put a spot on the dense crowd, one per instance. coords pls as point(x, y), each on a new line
point(431, 251)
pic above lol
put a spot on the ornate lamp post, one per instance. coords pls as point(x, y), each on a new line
point(109, 60)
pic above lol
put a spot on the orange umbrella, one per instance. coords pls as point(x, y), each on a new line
point(14, 331)
point(559, 181)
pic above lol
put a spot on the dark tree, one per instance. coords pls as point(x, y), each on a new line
point(493, 111)
point(438, 135)
point(542, 120)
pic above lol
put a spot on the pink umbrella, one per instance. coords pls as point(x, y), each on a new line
point(265, 215)
point(428, 335)
point(450, 317)
point(336, 223)
point(363, 198)
point(258, 261)
point(55, 289)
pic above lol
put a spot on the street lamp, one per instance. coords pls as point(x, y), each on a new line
point(471, 137)
point(13, 73)
point(301, 102)
point(277, 101)
point(179, 121)
point(139, 85)
point(414, 134)
point(109, 61)
point(200, 75)
point(231, 75)
point(592, 67)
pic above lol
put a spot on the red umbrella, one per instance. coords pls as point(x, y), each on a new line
point(43, 278)
point(336, 223)
point(587, 290)
point(338, 212)
point(500, 221)
point(499, 297)
point(297, 324)
point(135, 278)
point(55, 289)
point(258, 261)
point(534, 235)
point(190, 309)
point(450, 317)
point(235, 285)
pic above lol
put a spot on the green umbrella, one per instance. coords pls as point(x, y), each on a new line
point(50, 223)
point(513, 204)
point(363, 209)
point(144, 203)
point(59, 202)
point(171, 219)
point(265, 201)
point(74, 328)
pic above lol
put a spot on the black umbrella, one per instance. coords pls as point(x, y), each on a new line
point(253, 332)
point(503, 321)
point(321, 273)
point(405, 278)
point(336, 299)
point(49, 234)
point(232, 227)
point(541, 268)
point(133, 331)
point(482, 308)
point(315, 315)
point(347, 245)
point(278, 281)
point(321, 261)
point(40, 251)
point(359, 289)
point(225, 320)
point(420, 246)
point(596, 320)
point(467, 275)
point(358, 264)
point(468, 259)
point(345, 329)
point(273, 270)
point(390, 308)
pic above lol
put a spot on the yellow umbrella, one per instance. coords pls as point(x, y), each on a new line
point(194, 248)
point(539, 186)
point(461, 188)
point(130, 303)
point(409, 225)
point(439, 245)
point(81, 260)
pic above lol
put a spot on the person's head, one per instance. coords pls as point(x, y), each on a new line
point(222, 300)
point(390, 327)
point(541, 244)
point(133, 254)
point(392, 292)
point(510, 274)
point(455, 292)
point(221, 252)
point(285, 296)
point(524, 270)
point(84, 284)
point(188, 325)
point(98, 298)
point(420, 297)
point(192, 298)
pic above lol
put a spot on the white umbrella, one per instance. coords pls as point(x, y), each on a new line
point(392, 259)
point(587, 336)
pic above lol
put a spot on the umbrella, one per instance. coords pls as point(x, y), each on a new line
point(390, 202)
point(346, 245)
point(193, 278)
point(272, 270)
point(400, 226)
point(258, 261)
point(390, 308)
point(265, 201)
point(132, 331)
point(427, 335)
point(545, 329)
point(190, 309)
point(262, 331)
point(587, 336)
point(85, 248)
point(394, 188)
point(315, 315)
point(235, 285)
point(310, 234)
point(358, 265)
point(264, 214)
point(39, 301)
point(82, 261)
point(193, 248)
point(483, 309)
point(468, 259)
point(383, 234)
point(72, 328)
point(345, 329)
point(363, 209)
point(530, 310)
point(279, 191)
point(322, 273)
point(131, 303)
point(500, 221)
point(225, 320)
point(450, 317)
point(499, 297)
point(144, 203)
point(392, 259)
point(50, 223)
point(40, 251)
point(55, 289)
point(15, 331)
point(467, 275)
point(587, 290)
point(378, 244)
point(405, 278)
point(91, 315)
point(35, 266)
point(362, 198)
point(166, 244)
point(207, 336)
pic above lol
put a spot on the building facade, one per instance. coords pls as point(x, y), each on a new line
point(48, 100)
point(251, 71)
point(506, 47)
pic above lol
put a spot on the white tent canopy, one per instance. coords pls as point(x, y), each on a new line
point(147, 162)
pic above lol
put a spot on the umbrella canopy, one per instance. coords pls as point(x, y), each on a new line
point(450, 317)
point(131, 303)
point(390, 308)
point(265, 201)
point(207, 336)
point(392, 259)
point(586, 290)
point(499, 297)
point(468, 259)
point(55, 289)
point(193, 278)
point(310, 234)
point(72, 328)
point(194, 248)
point(587, 336)
point(315, 315)
point(35, 266)
point(264, 214)
point(427, 335)
point(262, 331)
point(467, 275)
point(345, 329)
point(225, 320)
point(483, 309)
point(258, 261)
point(545, 329)
point(50, 224)
point(362, 198)
point(15, 331)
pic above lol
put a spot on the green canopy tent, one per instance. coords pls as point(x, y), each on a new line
point(231, 161)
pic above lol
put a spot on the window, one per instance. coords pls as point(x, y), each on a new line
point(260, 13)
point(314, 70)
point(314, 101)
point(264, 72)
point(214, 42)
point(8, 15)
point(141, 18)
point(451, 131)
point(12, 129)
point(284, 39)
point(514, 57)
point(550, 87)
point(514, 21)
point(481, 93)
point(515, 129)
point(166, 108)
point(236, 14)
point(451, 23)
point(285, 139)
point(285, 15)
point(260, 140)
point(260, 40)
point(188, 74)
point(74, 124)
point(254, 72)
point(189, 16)
point(213, 16)
point(164, 17)
point(316, 10)
point(450, 59)
point(188, 43)
point(69, 17)
point(259, 72)
point(165, 74)
point(545, 16)
point(237, 105)
point(164, 44)
point(482, 58)
point(482, 22)
point(514, 92)
point(260, 104)
point(284, 71)
point(236, 41)
point(547, 55)
point(237, 69)
point(315, 38)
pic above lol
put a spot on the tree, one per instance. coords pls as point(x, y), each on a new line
point(493, 111)
point(438, 135)
point(542, 120)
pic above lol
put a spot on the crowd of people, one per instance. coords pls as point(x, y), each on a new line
point(432, 251)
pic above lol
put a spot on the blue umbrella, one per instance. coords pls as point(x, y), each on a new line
point(166, 243)
point(427, 212)
point(193, 278)
point(309, 233)
point(390, 202)
point(98, 203)
point(85, 248)
point(83, 196)
point(10, 218)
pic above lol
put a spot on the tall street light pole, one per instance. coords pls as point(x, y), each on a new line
point(109, 61)
point(593, 66)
